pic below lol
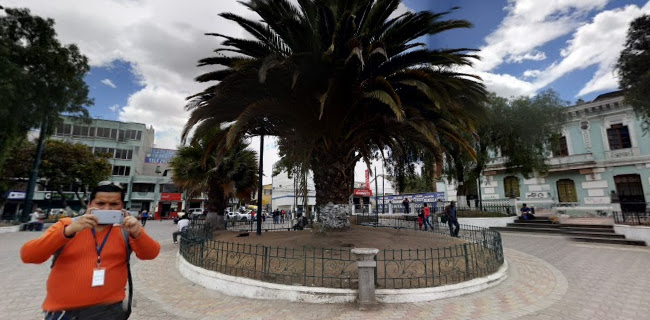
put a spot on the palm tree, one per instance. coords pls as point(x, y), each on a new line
point(234, 174)
point(337, 81)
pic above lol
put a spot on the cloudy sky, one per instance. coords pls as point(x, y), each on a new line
point(143, 53)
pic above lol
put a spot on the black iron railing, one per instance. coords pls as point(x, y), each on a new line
point(633, 214)
point(480, 254)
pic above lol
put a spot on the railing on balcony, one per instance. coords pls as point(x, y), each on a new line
point(622, 153)
point(583, 158)
point(142, 195)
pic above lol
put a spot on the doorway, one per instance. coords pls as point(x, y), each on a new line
point(566, 191)
point(630, 192)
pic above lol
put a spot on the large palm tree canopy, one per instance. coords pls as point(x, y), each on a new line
point(340, 79)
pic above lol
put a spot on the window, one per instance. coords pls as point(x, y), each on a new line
point(560, 148)
point(168, 188)
point(121, 170)
point(123, 154)
point(102, 150)
point(143, 187)
point(267, 192)
point(619, 137)
point(64, 129)
point(91, 132)
point(76, 130)
point(511, 187)
point(103, 132)
point(113, 133)
point(139, 136)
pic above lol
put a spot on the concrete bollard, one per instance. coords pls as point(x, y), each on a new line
point(367, 265)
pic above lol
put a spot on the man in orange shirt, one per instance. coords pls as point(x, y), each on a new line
point(89, 276)
point(427, 217)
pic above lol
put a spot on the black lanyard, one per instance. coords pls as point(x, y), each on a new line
point(99, 248)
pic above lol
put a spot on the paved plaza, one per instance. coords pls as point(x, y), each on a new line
point(549, 278)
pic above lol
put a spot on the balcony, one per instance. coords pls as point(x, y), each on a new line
point(136, 195)
point(622, 154)
point(572, 162)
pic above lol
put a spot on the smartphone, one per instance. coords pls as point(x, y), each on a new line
point(109, 216)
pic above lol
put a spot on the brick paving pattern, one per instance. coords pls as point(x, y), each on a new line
point(549, 278)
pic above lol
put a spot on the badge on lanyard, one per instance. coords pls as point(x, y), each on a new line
point(99, 274)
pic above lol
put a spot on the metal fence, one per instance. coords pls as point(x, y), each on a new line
point(480, 255)
point(633, 214)
point(268, 225)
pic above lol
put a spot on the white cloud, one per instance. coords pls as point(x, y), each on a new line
point(533, 56)
point(109, 83)
point(531, 73)
point(114, 108)
point(529, 25)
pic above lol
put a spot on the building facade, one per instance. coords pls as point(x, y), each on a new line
point(603, 157)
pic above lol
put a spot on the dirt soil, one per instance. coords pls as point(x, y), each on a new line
point(356, 237)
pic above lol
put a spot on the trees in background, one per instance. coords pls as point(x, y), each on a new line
point(634, 67)
point(39, 78)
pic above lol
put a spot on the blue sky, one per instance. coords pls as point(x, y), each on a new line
point(143, 53)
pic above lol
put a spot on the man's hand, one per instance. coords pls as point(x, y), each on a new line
point(131, 225)
point(87, 221)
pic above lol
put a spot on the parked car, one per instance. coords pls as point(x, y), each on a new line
point(231, 215)
point(195, 212)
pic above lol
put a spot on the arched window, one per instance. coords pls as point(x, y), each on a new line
point(566, 191)
point(511, 187)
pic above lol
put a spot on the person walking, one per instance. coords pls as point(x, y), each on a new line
point(183, 223)
point(89, 270)
point(282, 215)
point(405, 203)
point(452, 220)
point(427, 217)
point(144, 216)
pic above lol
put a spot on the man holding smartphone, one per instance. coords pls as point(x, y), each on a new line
point(90, 274)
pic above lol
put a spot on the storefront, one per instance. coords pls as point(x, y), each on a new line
point(169, 205)
point(361, 201)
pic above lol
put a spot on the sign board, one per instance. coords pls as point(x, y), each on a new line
point(158, 156)
point(490, 196)
point(363, 192)
point(16, 195)
point(171, 196)
point(367, 180)
point(537, 195)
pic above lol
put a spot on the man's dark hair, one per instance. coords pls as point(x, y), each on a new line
point(106, 188)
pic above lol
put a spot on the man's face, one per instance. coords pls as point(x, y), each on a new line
point(107, 201)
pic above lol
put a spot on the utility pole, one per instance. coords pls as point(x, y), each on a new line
point(259, 187)
point(34, 174)
point(383, 190)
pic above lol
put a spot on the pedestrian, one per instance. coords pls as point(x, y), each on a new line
point(183, 223)
point(405, 203)
point(526, 213)
point(452, 220)
point(427, 217)
point(282, 214)
point(35, 220)
point(420, 218)
point(89, 270)
point(144, 216)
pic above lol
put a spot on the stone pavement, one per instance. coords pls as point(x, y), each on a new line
point(549, 278)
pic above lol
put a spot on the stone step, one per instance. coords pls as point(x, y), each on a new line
point(610, 241)
point(595, 234)
point(595, 226)
point(532, 230)
point(532, 225)
point(536, 221)
point(580, 229)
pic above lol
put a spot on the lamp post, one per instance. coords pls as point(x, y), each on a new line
point(259, 187)
point(34, 174)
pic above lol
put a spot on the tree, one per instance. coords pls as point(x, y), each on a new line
point(634, 66)
point(345, 80)
point(233, 175)
point(39, 77)
point(64, 165)
point(520, 130)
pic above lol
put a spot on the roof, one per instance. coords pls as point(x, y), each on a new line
point(609, 95)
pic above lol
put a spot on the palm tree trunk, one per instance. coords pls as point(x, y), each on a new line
point(332, 177)
point(216, 204)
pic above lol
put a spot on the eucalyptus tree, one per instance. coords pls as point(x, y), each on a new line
point(344, 79)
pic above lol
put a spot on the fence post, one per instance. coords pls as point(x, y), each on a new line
point(466, 261)
point(367, 266)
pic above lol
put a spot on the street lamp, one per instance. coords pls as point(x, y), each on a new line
point(259, 187)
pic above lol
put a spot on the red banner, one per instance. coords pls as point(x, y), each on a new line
point(363, 192)
point(171, 197)
point(367, 180)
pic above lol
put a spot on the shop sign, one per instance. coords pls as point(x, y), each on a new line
point(363, 192)
point(171, 196)
point(16, 195)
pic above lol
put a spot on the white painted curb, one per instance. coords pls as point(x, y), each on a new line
point(641, 233)
point(255, 289)
point(10, 229)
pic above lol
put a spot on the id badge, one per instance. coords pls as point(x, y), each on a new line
point(99, 274)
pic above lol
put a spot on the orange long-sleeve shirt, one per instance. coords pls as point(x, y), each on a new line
point(69, 283)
